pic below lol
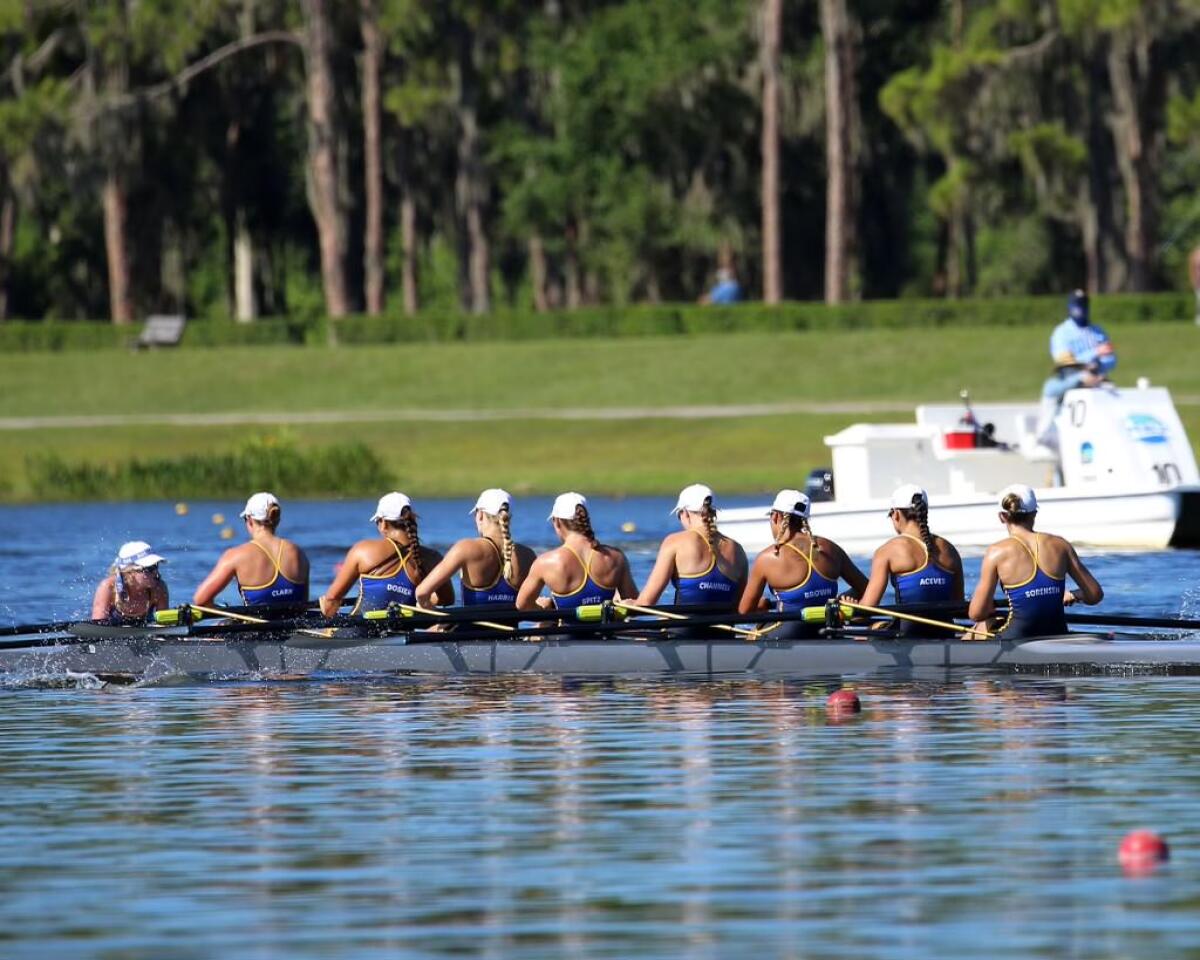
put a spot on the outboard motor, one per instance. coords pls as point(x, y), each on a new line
point(819, 485)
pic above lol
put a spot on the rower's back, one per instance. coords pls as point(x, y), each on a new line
point(709, 569)
point(271, 570)
point(804, 571)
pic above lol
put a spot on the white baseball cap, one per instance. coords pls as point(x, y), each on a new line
point(565, 504)
point(692, 498)
point(391, 506)
point(491, 501)
point(903, 497)
point(793, 502)
point(259, 506)
point(137, 553)
point(1023, 493)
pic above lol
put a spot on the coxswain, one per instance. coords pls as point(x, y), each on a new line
point(388, 568)
point(582, 571)
point(705, 566)
point(133, 589)
point(492, 566)
point(801, 569)
point(1083, 357)
point(921, 567)
point(1032, 569)
point(269, 570)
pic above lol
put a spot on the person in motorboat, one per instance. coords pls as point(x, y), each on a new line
point(1083, 357)
point(582, 571)
point(134, 588)
point(801, 568)
point(269, 570)
point(705, 566)
point(920, 566)
point(388, 568)
point(1032, 569)
point(492, 565)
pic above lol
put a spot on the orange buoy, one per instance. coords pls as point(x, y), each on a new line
point(226, 533)
point(1142, 850)
point(843, 701)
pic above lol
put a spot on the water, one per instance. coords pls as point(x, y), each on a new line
point(530, 817)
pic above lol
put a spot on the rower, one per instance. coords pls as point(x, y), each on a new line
point(1032, 569)
point(388, 568)
point(277, 567)
point(705, 566)
point(582, 571)
point(133, 589)
point(492, 559)
point(921, 567)
point(801, 568)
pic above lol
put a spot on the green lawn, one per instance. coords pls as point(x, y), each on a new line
point(639, 456)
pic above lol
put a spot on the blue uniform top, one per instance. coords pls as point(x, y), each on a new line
point(928, 583)
point(587, 593)
point(813, 591)
point(1036, 604)
point(709, 586)
point(279, 590)
point(499, 593)
point(1073, 345)
point(378, 591)
point(725, 291)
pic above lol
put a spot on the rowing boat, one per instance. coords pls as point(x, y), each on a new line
point(348, 651)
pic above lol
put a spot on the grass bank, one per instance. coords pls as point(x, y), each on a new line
point(649, 455)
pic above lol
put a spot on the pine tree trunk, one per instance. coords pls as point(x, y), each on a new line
point(116, 248)
point(408, 237)
point(245, 300)
point(841, 142)
point(772, 227)
point(323, 182)
point(538, 273)
point(8, 229)
point(373, 243)
point(470, 189)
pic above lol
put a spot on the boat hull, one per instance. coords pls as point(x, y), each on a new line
point(304, 656)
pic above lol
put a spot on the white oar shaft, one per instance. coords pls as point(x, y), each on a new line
point(913, 618)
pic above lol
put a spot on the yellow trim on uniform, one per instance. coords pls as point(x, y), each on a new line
point(499, 570)
point(587, 574)
point(712, 561)
point(276, 561)
point(807, 559)
point(400, 555)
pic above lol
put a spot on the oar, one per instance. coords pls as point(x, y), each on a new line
point(442, 613)
point(668, 615)
point(1118, 621)
point(19, 629)
point(912, 618)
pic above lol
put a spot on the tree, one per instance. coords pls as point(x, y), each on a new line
point(841, 149)
point(772, 247)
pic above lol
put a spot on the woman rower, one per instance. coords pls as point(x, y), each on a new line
point(705, 566)
point(133, 589)
point(1032, 569)
point(801, 568)
point(270, 571)
point(492, 559)
point(921, 567)
point(388, 568)
point(582, 571)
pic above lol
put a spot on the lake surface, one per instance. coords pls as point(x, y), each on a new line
point(528, 817)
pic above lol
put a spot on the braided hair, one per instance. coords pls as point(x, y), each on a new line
point(408, 524)
point(504, 518)
point(920, 513)
point(792, 524)
point(709, 516)
point(1011, 505)
point(581, 523)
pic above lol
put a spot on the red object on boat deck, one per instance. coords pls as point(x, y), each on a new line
point(1142, 850)
point(959, 439)
point(843, 701)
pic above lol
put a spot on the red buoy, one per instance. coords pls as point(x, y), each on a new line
point(843, 701)
point(1142, 850)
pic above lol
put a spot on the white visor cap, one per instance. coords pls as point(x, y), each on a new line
point(491, 501)
point(565, 504)
point(259, 506)
point(903, 497)
point(391, 507)
point(1023, 493)
point(137, 553)
point(691, 498)
point(793, 502)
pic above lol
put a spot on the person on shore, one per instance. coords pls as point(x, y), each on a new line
point(388, 568)
point(801, 569)
point(921, 567)
point(492, 559)
point(725, 291)
point(705, 566)
point(582, 571)
point(269, 570)
point(1083, 357)
point(1032, 569)
point(134, 588)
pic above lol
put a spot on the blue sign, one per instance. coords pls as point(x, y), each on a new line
point(1145, 429)
point(1087, 453)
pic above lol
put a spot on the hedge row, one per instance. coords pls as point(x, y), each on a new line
point(664, 320)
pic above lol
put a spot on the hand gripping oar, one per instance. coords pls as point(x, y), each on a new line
point(667, 615)
point(912, 618)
